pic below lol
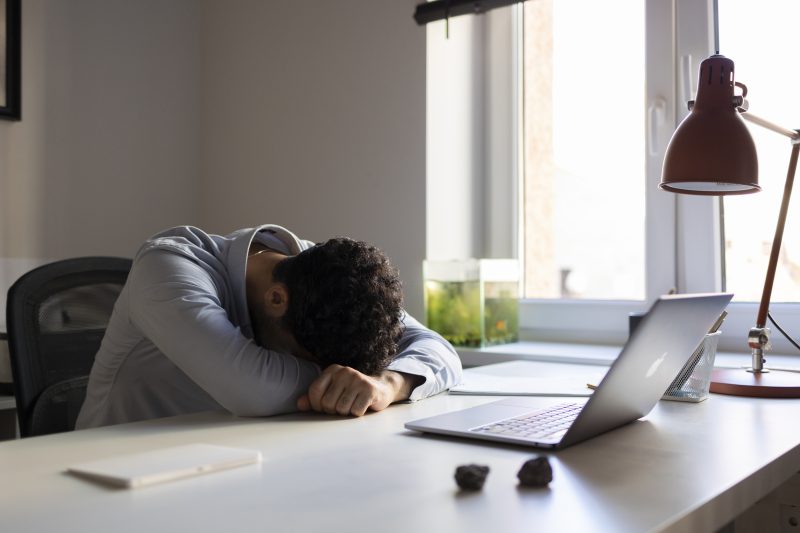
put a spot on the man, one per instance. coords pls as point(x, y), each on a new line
point(260, 322)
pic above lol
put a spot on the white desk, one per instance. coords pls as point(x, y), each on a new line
point(686, 467)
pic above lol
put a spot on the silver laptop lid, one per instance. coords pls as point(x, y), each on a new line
point(652, 357)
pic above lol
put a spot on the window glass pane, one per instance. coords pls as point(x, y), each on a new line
point(760, 37)
point(584, 154)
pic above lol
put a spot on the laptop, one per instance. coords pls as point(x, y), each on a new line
point(654, 354)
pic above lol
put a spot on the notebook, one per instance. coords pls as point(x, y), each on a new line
point(166, 464)
point(650, 360)
point(483, 385)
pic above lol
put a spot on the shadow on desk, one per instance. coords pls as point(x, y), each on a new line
point(214, 420)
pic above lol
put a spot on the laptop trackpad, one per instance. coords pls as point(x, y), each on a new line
point(467, 419)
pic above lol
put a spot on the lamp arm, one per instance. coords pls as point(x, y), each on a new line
point(776, 242)
point(758, 338)
point(794, 135)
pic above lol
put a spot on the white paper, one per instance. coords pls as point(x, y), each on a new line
point(483, 384)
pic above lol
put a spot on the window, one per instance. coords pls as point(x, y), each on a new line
point(583, 98)
point(584, 150)
point(767, 31)
point(678, 240)
point(599, 237)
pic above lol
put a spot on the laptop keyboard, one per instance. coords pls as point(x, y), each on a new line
point(535, 425)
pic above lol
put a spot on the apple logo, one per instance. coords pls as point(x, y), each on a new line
point(655, 365)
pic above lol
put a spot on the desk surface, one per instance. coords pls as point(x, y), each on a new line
point(685, 467)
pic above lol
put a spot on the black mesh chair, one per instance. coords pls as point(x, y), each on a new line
point(56, 317)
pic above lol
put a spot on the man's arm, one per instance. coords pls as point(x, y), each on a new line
point(345, 391)
point(426, 364)
point(425, 354)
point(175, 304)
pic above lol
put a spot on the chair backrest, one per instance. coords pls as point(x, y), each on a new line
point(56, 317)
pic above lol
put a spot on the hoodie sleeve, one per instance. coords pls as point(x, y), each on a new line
point(174, 303)
point(425, 353)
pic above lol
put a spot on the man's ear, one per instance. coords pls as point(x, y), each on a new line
point(276, 300)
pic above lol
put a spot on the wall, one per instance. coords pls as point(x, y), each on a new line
point(143, 114)
point(314, 118)
point(106, 152)
point(455, 138)
point(471, 138)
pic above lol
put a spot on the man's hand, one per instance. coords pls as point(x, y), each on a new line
point(345, 391)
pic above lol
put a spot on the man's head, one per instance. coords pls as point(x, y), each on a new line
point(344, 303)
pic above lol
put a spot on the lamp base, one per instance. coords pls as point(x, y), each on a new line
point(740, 382)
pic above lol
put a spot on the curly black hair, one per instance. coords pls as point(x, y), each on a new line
point(345, 303)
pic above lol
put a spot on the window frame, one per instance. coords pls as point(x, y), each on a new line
point(683, 233)
point(475, 162)
point(605, 321)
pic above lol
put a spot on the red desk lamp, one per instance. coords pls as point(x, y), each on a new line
point(712, 153)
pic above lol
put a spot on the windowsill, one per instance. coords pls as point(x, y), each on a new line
point(592, 354)
point(556, 352)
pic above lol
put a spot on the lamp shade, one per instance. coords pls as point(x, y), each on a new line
point(712, 152)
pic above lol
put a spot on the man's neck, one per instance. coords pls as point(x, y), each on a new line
point(270, 333)
point(268, 330)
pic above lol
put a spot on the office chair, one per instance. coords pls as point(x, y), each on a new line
point(56, 317)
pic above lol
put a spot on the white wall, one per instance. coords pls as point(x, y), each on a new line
point(501, 115)
point(471, 150)
point(143, 114)
point(314, 118)
point(106, 152)
point(455, 139)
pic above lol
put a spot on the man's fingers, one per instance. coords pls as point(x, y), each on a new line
point(330, 400)
point(342, 390)
point(319, 387)
point(345, 402)
point(303, 404)
point(361, 404)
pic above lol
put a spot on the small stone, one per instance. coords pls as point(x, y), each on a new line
point(471, 477)
point(535, 473)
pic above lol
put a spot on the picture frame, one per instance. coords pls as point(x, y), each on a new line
point(10, 59)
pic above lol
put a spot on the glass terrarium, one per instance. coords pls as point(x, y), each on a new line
point(473, 302)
